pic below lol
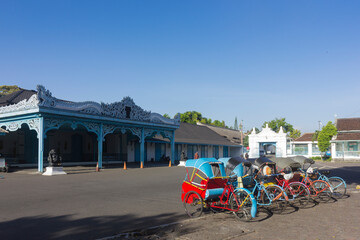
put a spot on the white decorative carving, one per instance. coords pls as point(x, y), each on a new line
point(34, 124)
point(157, 118)
point(125, 109)
point(46, 99)
point(21, 106)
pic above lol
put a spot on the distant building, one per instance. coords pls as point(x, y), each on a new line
point(345, 145)
point(34, 122)
point(268, 142)
point(304, 146)
point(82, 132)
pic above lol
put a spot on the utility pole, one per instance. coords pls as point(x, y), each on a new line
point(320, 125)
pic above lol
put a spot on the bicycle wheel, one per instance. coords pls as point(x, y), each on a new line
point(240, 202)
point(275, 196)
point(193, 204)
point(298, 193)
point(339, 187)
point(322, 189)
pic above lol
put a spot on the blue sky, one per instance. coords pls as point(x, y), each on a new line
point(254, 60)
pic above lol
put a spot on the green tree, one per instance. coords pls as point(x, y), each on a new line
point(315, 136)
point(295, 134)
point(193, 117)
point(287, 127)
point(6, 89)
point(236, 126)
point(325, 136)
point(166, 115)
point(277, 123)
point(190, 117)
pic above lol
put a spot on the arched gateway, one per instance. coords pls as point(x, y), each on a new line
point(36, 122)
point(267, 142)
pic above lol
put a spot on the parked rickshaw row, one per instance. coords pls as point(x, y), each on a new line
point(242, 185)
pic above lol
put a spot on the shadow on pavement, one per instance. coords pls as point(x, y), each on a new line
point(65, 227)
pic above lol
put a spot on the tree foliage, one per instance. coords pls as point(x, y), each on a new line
point(193, 117)
point(166, 115)
point(295, 134)
point(325, 135)
point(236, 126)
point(6, 89)
point(287, 127)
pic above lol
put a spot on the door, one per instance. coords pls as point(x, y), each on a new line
point(159, 151)
point(76, 148)
point(226, 151)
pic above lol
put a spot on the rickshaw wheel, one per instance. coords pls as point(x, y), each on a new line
point(193, 204)
point(339, 187)
point(240, 202)
point(323, 190)
point(273, 191)
point(299, 193)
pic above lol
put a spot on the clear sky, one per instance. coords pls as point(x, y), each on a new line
point(254, 60)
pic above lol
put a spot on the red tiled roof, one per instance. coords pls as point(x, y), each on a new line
point(348, 136)
point(345, 124)
point(306, 137)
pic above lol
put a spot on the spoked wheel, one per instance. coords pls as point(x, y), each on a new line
point(240, 202)
point(323, 190)
point(338, 186)
point(275, 196)
point(298, 193)
point(193, 204)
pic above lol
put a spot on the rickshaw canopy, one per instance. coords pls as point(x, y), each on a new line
point(303, 160)
point(203, 168)
point(235, 165)
point(283, 163)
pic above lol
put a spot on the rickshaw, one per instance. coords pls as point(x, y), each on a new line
point(337, 184)
point(266, 190)
point(289, 179)
point(207, 186)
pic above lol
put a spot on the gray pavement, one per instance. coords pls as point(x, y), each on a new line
point(92, 205)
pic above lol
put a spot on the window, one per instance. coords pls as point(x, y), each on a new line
point(300, 149)
point(352, 146)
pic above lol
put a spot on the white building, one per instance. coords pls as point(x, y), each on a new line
point(268, 142)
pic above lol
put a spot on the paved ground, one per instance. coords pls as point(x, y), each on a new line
point(89, 205)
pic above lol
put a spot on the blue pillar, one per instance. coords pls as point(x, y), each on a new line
point(100, 146)
point(142, 147)
point(41, 145)
point(173, 148)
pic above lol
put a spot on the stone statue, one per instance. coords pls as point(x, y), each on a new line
point(54, 159)
point(183, 156)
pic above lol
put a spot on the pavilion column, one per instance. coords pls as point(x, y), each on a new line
point(100, 145)
point(142, 148)
point(41, 145)
point(310, 149)
point(172, 141)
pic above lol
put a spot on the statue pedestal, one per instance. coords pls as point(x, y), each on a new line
point(182, 163)
point(51, 171)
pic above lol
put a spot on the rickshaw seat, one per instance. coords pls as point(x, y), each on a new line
point(213, 193)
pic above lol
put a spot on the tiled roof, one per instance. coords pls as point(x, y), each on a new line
point(306, 137)
point(16, 97)
point(232, 135)
point(346, 124)
point(348, 136)
point(195, 134)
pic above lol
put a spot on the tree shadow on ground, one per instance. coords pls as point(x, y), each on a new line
point(67, 227)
